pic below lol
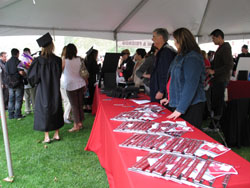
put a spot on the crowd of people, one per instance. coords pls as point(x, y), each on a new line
point(186, 80)
point(44, 81)
point(183, 80)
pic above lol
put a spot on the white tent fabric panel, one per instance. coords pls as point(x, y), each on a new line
point(124, 19)
point(171, 14)
point(232, 17)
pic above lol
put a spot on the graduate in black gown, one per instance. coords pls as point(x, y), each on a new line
point(93, 69)
point(45, 72)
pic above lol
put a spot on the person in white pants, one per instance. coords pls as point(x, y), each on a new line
point(66, 103)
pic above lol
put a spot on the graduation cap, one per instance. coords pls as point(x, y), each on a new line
point(89, 51)
point(45, 40)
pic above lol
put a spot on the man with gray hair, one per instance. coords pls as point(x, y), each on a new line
point(164, 57)
point(3, 59)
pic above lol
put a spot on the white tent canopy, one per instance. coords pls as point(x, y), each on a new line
point(124, 19)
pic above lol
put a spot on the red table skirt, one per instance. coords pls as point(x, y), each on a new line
point(116, 160)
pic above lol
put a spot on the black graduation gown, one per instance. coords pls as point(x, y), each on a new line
point(46, 73)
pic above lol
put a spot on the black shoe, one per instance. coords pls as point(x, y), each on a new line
point(21, 117)
point(88, 110)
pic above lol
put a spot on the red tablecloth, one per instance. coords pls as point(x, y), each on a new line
point(238, 89)
point(96, 100)
point(116, 160)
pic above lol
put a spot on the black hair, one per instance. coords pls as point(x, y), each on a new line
point(141, 52)
point(92, 56)
point(245, 46)
point(14, 52)
point(210, 52)
point(26, 50)
point(71, 51)
point(217, 33)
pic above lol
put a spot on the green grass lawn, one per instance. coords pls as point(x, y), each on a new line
point(60, 164)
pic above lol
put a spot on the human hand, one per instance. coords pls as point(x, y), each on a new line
point(130, 79)
point(174, 115)
point(164, 101)
point(158, 95)
point(146, 75)
point(210, 71)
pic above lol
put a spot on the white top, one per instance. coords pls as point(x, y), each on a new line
point(72, 78)
point(62, 81)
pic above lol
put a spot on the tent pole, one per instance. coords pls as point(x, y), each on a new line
point(53, 34)
point(116, 42)
point(197, 39)
point(5, 133)
point(116, 46)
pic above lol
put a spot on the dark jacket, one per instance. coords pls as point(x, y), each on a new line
point(93, 70)
point(158, 79)
point(146, 67)
point(222, 63)
point(128, 71)
point(13, 72)
point(2, 66)
point(187, 81)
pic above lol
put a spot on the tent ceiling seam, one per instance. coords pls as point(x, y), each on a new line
point(130, 15)
point(12, 3)
point(203, 17)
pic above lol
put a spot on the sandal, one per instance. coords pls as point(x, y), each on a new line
point(46, 141)
point(56, 139)
point(74, 129)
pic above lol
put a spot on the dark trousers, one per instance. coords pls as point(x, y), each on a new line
point(217, 97)
point(15, 102)
point(89, 100)
point(76, 101)
point(6, 96)
point(193, 114)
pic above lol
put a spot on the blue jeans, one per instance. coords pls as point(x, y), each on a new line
point(15, 102)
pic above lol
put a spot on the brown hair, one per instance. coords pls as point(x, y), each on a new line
point(126, 51)
point(63, 54)
point(71, 51)
point(204, 54)
point(48, 50)
point(186, 41)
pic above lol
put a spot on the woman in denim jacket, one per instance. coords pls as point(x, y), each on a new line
point(186, 95)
